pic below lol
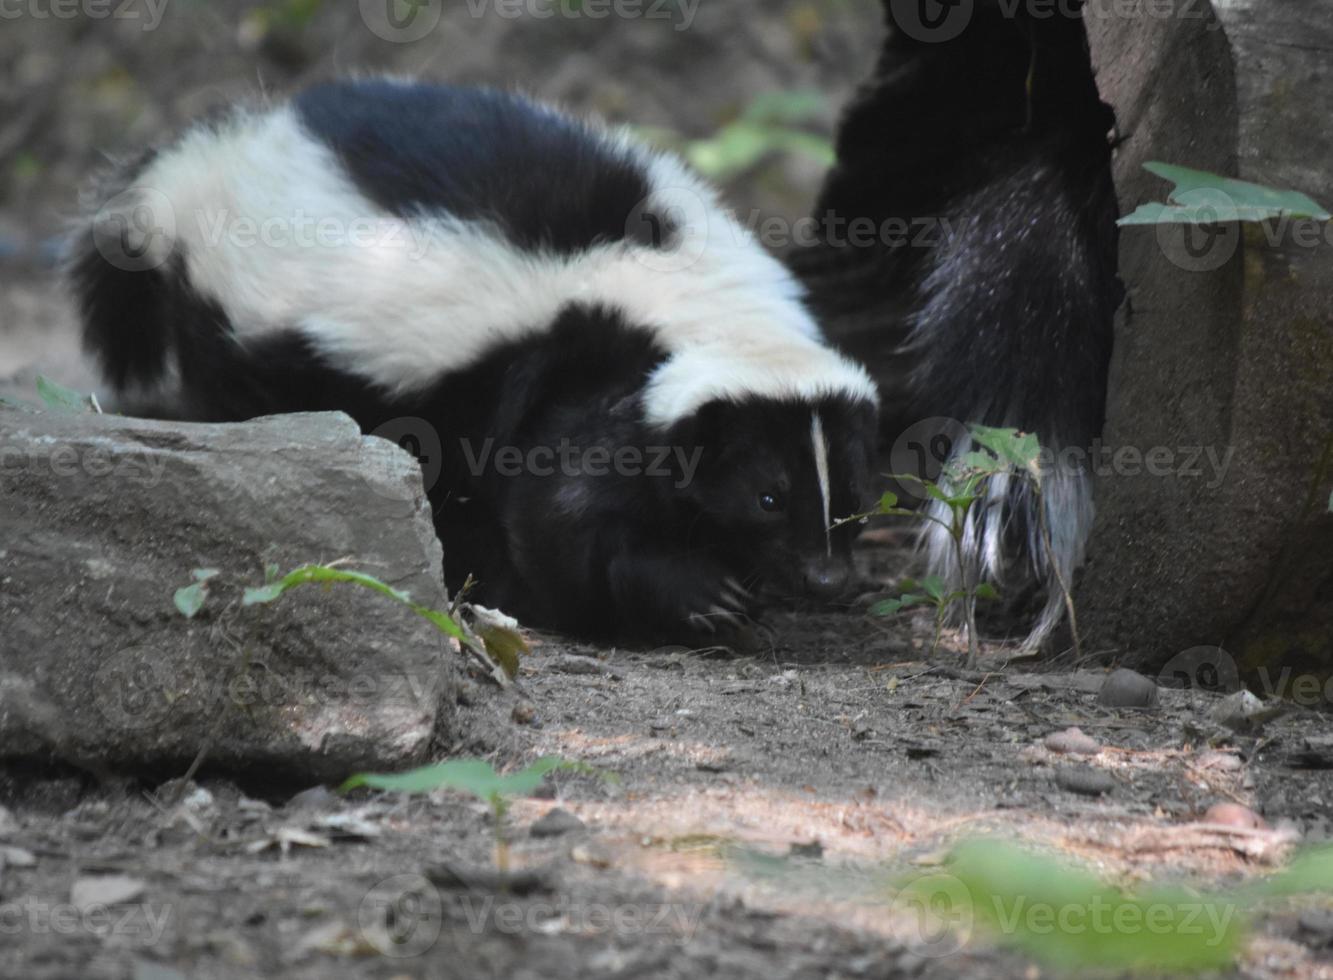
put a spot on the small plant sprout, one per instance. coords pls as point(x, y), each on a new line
point(960, 487)
point(475, 776)
point(497, 645)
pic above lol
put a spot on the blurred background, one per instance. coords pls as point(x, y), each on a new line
point(748, 90)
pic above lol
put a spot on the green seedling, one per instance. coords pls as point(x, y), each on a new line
point(475, 776)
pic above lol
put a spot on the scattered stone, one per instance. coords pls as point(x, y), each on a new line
point(522, 881)
point(1085, 780)
point(1315, 753)
point(593, 854)
point(1316, 925)
point(1126, 688)
point(1241, 712)
point(314, 798)
point(1072, 741)
point(812, 849)
point(524, 713)
point(1219, 762)
point(9, 825)
point(570, 664)
point(16, 857)
point(1234, 815)
point(557, 821)
point(87, 893)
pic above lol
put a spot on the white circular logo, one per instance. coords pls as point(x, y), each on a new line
point(401, 916)
point(420, 440)
point(936, 912)
point(923, 448)
point(931, 21)
point(401, 21)
point(136, 230)
point(137, 688)
point(1210, 239)
point(1201, 669)
point(674, 227)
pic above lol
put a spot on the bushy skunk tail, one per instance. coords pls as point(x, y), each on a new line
point(989, 140)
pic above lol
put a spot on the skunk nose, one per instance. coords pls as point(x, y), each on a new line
point(825, 578)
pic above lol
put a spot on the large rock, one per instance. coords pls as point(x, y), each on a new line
point(102, 518)
point(1225, 344)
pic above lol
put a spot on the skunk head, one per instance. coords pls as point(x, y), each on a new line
point(772, 476)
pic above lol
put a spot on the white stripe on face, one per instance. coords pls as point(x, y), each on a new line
point(820, 445)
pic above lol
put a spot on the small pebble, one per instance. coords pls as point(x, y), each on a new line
point(1089, 782)
point(1234, 815)
point(569, 664)
point(1219, 761)
point(557, 821)
point(524, 713)
point(314, 798)
point(1072, 741)
point(1241, 712)
point(1126, 688)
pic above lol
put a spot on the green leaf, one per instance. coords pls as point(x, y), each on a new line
point(890, 501)
point(59, 398)
point(190, 599)
point(985, 590)
point(469, 775)
point(934, 586)
point(1200, 197)
point(504, 646)
point(308, 574)
point(789, 107)
point(1012, 446)
point(1070, 919)
point(204, 574)
point(1310, 872)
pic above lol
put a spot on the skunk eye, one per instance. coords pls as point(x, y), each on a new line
point(772, 502)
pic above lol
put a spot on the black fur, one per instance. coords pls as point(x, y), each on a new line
point(668, 545)
point(997, 139)
point(500, 150)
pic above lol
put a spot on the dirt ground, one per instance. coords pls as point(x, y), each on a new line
point(752, 817)
point(764, 808)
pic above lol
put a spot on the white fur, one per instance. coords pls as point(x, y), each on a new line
point(1066, 497)
point(819, 443)
point(420, 296)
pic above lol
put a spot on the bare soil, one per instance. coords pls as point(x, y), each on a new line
point(760, 813)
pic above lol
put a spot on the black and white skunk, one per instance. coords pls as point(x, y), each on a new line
point(985, 136)
point(642, 430)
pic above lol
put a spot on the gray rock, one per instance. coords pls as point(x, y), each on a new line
point(556, 822)
point(1085, 781)
point(102, 518)
point(1225, 348)
point(1128, 689)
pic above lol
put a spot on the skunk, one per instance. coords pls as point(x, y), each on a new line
point(640, 429)
point(987, 138)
